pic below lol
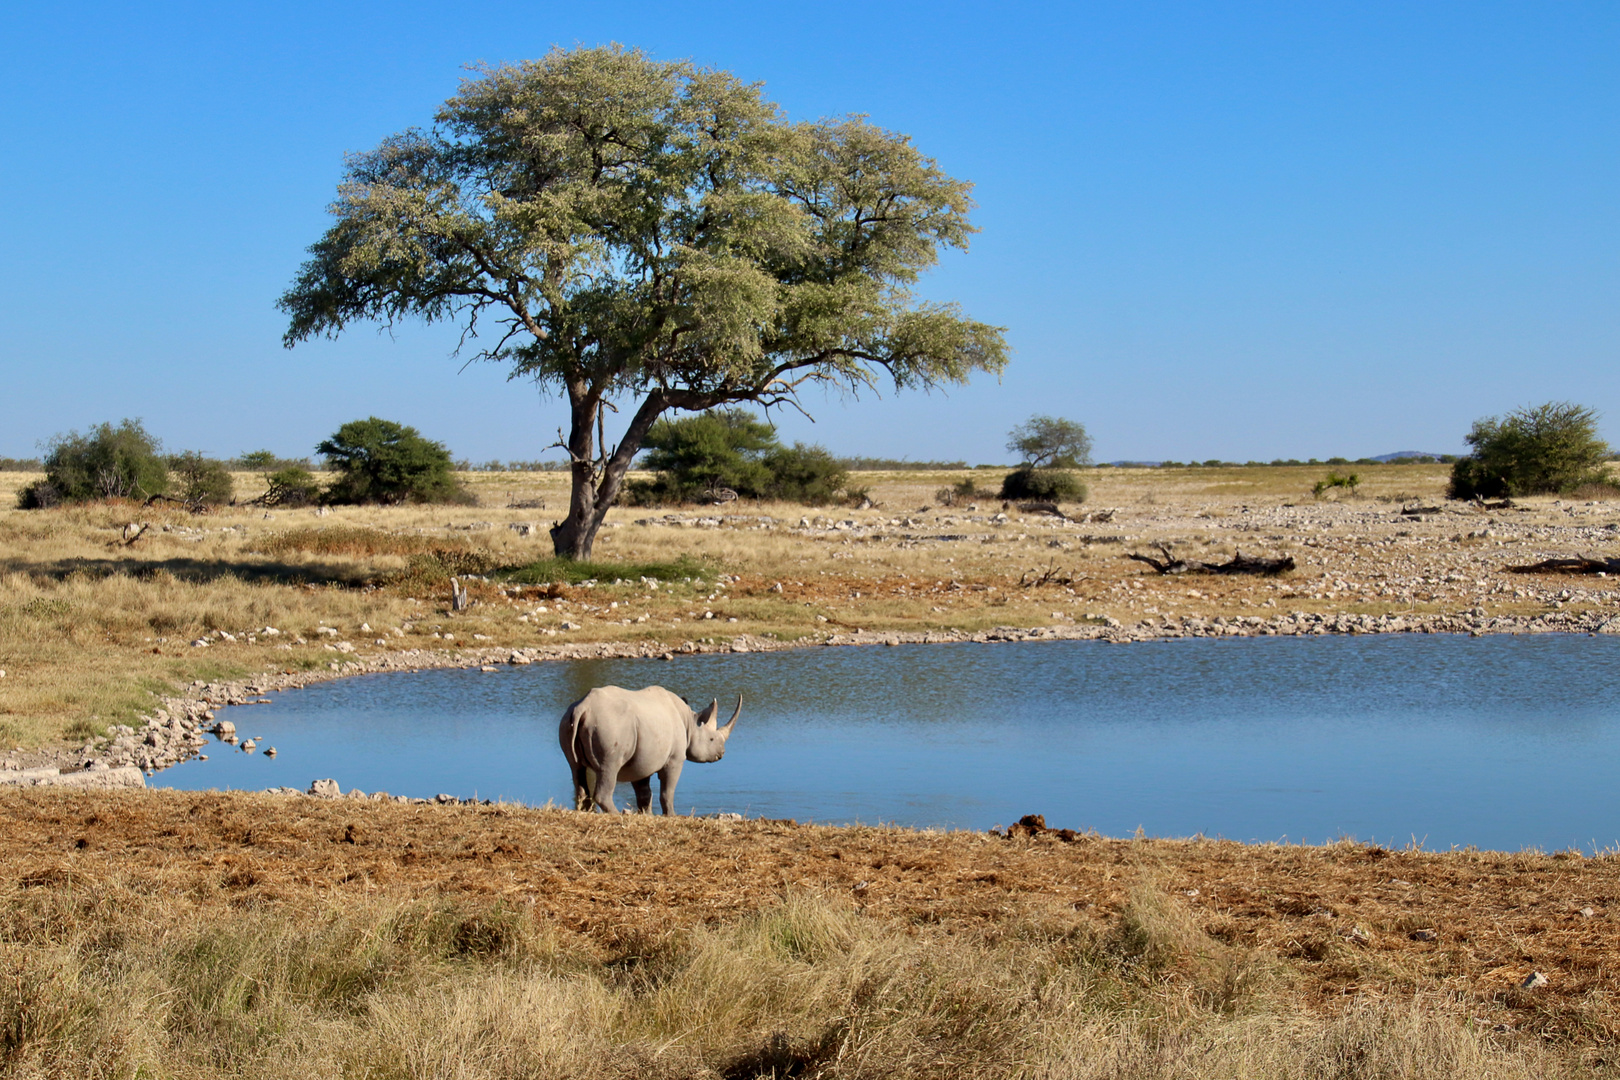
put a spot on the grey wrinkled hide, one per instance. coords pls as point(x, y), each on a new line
point(629, 735)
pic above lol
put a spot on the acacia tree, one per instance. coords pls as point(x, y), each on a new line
point(1049, 442)
point(652, 234)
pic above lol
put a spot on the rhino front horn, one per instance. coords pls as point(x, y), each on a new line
point(733, 721)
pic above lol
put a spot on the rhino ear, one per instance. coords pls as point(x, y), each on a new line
point(706, 718)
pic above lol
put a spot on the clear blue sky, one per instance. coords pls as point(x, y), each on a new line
point(1228, 230)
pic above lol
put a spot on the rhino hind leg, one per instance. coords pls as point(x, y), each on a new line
point(603, 791)
point(643, 794)
point(582, 787)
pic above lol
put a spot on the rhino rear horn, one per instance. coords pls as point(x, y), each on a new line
point(733, 721)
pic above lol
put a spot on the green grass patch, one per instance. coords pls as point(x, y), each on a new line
point(570, 572)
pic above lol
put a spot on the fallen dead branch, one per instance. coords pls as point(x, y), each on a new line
point(1579, 564)
point(1052, 575)
point(1042, 508)
point(1238, 564)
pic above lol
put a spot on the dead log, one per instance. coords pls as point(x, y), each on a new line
point(459, 600)
point(1042, 508)
point(1238, 564)
point(1580, 564)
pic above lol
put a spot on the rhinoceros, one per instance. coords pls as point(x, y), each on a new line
point(629, 735)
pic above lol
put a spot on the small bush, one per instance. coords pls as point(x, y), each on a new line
point(1334, 480)
point(291, 487)
point(265, 461)
point(105, 462)
point(698, 456)
point(960, 492)
point(201, 480)
point(805, 474)
point(1051, 485)
point(1545, 449)
point(379, 461)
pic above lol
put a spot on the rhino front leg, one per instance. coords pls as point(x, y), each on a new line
point(643, 794)
point(667, 777)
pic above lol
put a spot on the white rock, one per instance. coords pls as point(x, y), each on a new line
point(1534, 981)
point(325, 789)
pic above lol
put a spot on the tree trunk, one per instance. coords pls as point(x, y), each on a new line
point(592, 495)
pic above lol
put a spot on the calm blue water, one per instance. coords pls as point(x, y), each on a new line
point(1497, 742)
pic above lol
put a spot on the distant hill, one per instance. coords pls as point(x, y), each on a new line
point(1399, 454)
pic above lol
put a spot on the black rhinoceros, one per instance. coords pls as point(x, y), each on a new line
point(621, 734)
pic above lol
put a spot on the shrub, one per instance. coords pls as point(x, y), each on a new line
point(805, 474)
point(379, 461)
point(294, 486)
point(1052, 485)
point(106, 462)
point(201, 479)
point(1535, 450)
point(1334, 480)
point(961, 491)
point(696, 456)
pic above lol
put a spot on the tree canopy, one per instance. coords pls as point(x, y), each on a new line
point(1533, 450)
point(622, 229)
point(1048, 442)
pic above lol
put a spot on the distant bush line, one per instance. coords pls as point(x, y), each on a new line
point(13, 464)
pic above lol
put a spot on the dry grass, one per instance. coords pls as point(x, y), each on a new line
point(91, 627)
point(200, 935)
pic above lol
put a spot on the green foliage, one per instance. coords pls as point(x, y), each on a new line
point(265, 461)
point(11, 464)
point(379, 461)
point(696, 456)
point(1052, 485)
point(292, 486)
point(805, 474)
point(1048, 442)
point(105, 462)
point(201, 479)
point(654, 231)
point(1533, 450)
point(1334, 480)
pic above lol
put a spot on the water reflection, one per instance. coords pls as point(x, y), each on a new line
point(1498, 741)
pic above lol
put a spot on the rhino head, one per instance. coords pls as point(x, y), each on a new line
point(707, 741)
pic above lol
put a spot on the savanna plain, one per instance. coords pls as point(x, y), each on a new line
point(244, 934)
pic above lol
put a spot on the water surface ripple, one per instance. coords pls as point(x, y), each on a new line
point(1497, 742)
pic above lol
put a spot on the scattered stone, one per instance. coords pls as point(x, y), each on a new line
point(269, 751)
point(1423, 935)
point(1533, 981)
point(325, 789)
